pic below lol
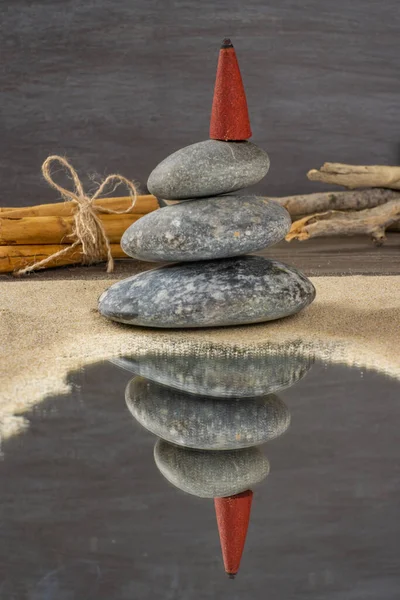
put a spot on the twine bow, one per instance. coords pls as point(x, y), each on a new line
point(88, 228)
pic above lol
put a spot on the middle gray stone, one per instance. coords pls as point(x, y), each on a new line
point(205, 229)
point(206, 423)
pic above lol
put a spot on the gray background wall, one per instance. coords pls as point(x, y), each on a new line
point(116, 85)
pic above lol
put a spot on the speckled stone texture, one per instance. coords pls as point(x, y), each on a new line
point(231, 291)
point(208, 168)
point(205, 423)
point(238, 376)
point(209, 473)
point(207, 229)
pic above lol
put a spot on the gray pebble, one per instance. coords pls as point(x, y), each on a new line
point(203, 422)
point(230, 291)
point(208, 168)
point(206, 229)
point(208, 473)
point(235, 375)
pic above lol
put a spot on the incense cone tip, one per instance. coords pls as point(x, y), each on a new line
point(226, 43)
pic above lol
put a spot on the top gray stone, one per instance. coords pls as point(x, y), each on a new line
point(208, 168)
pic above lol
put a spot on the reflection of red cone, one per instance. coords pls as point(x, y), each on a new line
point(229, 114)
point(233, 515)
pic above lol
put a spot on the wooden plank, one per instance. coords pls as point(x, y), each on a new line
point(340, 256)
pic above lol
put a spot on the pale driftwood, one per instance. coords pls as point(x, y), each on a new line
point(357, 176)
point(322, 201)
point(371, 221)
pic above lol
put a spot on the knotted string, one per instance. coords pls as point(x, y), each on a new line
point(88, 228)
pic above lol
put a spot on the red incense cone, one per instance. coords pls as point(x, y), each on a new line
point(233, 515)
point(229, 114)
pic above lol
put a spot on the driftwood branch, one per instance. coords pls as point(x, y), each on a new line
point(349, 200)
point(357, 176)
point(371, 221)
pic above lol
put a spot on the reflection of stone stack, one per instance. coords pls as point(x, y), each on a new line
point(211, 428)
point(210, 231)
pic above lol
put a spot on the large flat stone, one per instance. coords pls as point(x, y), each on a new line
point(206, 229)
point(223, 375)
point(231, 291)
point(208, 168)
point(211, 473)
point(203, 422)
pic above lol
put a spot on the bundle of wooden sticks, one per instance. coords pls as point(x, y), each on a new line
point(30, 234)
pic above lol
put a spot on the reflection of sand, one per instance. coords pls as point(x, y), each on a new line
point(48, 328)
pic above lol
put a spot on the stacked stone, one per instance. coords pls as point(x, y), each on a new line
point(210, 448)
point(209, 232)
point(211, 415)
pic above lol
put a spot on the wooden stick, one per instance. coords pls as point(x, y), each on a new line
point(372, 221)
point(57, 230)
point(13, 258)
point(357, 176)
point(349, 200)
point(144, 205)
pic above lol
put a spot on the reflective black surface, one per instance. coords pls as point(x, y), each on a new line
point(85, 513)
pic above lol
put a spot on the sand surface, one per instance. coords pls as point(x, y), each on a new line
point(48, 328)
